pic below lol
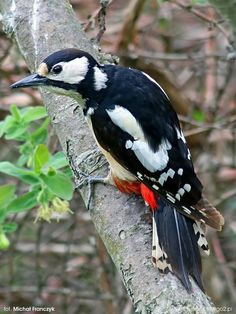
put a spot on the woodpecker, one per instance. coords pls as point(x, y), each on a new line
point(139, 133)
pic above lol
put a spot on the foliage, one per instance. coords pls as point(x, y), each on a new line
point(44, 177)
point(198, 115)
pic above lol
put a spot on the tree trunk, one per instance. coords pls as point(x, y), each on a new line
point(41, 27)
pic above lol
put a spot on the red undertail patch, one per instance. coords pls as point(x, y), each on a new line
point(138, 188)
point(149, 196)
point(127, 186)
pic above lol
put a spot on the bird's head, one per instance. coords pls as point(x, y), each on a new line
point(68, 72)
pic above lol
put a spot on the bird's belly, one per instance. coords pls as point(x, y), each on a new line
point(124, 180)
point(117, 170)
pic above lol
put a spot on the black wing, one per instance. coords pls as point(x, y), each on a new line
point(150, 107)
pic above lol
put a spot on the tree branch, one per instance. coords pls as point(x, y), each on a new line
point(227, 10)
point(205, 18)
point(41, 27)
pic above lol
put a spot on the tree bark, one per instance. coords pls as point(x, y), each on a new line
point(41, 27)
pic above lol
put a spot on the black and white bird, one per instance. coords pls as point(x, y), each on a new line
point(139, 133)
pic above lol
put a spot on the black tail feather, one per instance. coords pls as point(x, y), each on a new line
point(175, 245)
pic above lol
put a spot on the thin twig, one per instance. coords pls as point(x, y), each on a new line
point(131, 17)
point(206, 18)
point(207, 126)
point(174, 56)
point(100, 15)
point(102, 18)
point(210, 77)
point(224, 197)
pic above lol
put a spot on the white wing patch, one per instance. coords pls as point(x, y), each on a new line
point(100, 79)
point(151, 160)
point(181, 191)
point(124, 119)
point(151, 79)
point(180, 135)
point(73, 71)
point(189, 154)
point(165, 175)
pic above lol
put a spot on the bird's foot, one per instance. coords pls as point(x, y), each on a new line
point(90, 181)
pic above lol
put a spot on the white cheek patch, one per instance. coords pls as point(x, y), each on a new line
point(100, 79)
point(151, 79)
point(73, 71)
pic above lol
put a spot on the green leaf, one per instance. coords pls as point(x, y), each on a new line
point(4, 242)
point(22, 160)
point(58, 161)
point(2, 128)
point(12, 128)
point(41, 157)
point(9, 123)
point(45, 195)
point(20, 173)
point(9, 228)
point(26, 148)
point(23, 202)
point(17, 132)
point(59, 184)
point(198, 115)
point(51, 171)
point(34, 113)
point(40, 135)
point(68, 172)
point(15, 112)
point(7, 194)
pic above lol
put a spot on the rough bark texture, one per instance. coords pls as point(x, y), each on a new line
point(39, 28)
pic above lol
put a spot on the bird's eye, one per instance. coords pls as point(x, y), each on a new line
point(57, 69)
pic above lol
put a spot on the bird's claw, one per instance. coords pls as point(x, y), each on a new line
point(89, 181)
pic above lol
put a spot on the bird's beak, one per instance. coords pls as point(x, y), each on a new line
point(31, 80)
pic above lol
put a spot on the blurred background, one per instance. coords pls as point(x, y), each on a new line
point(184, 45)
